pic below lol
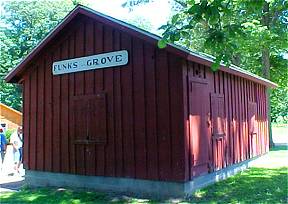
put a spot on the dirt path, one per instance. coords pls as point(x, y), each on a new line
point(11, 183)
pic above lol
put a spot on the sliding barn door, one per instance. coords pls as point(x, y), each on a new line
point(218, 131)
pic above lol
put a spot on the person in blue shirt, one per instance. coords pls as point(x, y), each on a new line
point(3, 143)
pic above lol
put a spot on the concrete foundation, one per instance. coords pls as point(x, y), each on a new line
point(136, 187)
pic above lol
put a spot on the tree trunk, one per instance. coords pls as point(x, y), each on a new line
point(266, 68)
point(236, 59)
point(266, 74)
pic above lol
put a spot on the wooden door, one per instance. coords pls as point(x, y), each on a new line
point(218, 131)
point(252, 127)
point(198, 112)
point(90, 130)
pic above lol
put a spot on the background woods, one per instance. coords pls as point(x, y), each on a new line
point(23, 25)
point(250, 34)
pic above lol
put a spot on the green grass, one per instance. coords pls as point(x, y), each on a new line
point(65, 196)
point(256, 185)
point(53, 195)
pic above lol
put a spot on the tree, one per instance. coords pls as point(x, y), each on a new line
point(250, 34)
point(23, 24)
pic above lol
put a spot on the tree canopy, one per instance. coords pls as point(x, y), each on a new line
point(250, 34)
point(23, 25)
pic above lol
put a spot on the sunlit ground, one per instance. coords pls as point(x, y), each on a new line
point(275, 159)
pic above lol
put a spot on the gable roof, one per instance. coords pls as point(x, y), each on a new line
point(14, 76)
point(3, 106)
point(10, 116)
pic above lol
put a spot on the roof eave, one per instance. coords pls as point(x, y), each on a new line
point(232, 70)
point(253, 77)
point(11, 109)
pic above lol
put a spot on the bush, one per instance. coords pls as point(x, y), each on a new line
point(8, 133)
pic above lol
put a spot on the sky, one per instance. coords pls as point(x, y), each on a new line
point(156, 12)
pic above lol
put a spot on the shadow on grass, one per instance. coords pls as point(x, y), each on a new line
point(64, 196)
point(47, 195)
point(12, 185)
point(279, 148)
point(257, 185)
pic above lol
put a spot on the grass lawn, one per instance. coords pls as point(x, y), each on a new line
point(256, 185)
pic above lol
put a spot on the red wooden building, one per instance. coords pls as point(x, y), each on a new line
point(163, 116)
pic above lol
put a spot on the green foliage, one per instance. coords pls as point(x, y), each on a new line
point(233, 31)
point(22, 25)
point(162, 43)
point(279, 96)
point(237, 32)
point(8, 133)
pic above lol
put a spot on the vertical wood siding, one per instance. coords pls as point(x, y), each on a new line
point(237, 144)
point(163, 118)
point(144, 110)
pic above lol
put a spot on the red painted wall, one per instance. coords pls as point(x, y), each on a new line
point(229, 135)
point(142, 112)
point(160, 117)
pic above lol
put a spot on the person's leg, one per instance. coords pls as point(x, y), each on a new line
point(20, 159)
point(15, 159)
point(1, 162)
point(2, 156)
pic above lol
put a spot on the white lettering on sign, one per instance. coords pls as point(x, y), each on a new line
point(110, 59)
